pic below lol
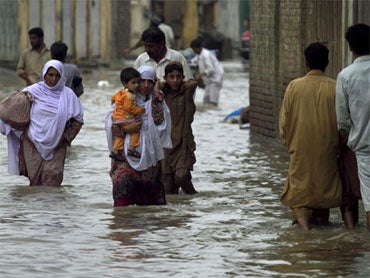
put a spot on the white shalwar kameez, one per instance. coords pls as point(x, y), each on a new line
point(353, 115)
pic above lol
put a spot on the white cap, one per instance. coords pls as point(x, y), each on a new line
point(147, 72)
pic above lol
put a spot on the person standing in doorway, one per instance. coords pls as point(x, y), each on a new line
point(210, 71)
point(353, 106)
point(308, 129)
point(33, 59)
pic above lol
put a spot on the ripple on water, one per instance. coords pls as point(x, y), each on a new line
point(234, 227)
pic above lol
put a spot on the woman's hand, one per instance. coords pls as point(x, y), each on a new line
point(117, 131)
point(158, 95)
point(29, 96)
point(157, 87)
point(135, 126)
point(198, 77)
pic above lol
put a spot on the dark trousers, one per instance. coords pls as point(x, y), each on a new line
point(179, 179)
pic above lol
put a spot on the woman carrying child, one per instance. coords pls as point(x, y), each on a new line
point(138, 180)
point(126, 111)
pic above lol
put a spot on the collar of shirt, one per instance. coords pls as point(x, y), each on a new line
point(167, 57)
point(364, 58)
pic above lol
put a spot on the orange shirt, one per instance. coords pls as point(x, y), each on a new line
point(125, 105)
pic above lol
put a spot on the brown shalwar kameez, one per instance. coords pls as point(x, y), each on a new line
point(307, 127)
point(179, 160)
point(46, 172)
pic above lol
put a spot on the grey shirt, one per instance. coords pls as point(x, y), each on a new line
point(352, 103)
point(73, 79)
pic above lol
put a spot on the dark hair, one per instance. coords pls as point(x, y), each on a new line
point(358, 38)
point(197, 43)
point(172, 66)
point(317, 56)
point(129, 73)
point(153, 35)
point(155, 21)
point(59, 51)
point(36, 31)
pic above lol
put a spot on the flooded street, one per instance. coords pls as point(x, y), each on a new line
point(235, 227)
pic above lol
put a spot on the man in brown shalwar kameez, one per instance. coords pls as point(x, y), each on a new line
point(307, 127)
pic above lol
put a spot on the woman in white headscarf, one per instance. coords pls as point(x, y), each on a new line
point(56, 117)
point(138, 180)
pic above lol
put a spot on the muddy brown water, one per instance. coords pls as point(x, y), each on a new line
point(234, 227)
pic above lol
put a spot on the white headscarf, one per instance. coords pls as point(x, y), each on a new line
point(153, 138)
point(51, 109)
point(147, 73)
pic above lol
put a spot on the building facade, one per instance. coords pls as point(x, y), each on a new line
point(97, 31)
point(280, 30)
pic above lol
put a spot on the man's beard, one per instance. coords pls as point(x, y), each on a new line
point(151, 55)
point(35, 45)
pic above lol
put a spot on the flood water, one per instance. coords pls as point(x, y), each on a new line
point(235, 227)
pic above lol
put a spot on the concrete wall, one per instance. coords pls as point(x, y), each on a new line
point(138, 21)
point(10, 30)
point(227, 21)
point(84, 25)
point(97, 31)
point(264, 65)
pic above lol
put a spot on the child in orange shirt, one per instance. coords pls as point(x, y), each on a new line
point(126, 111)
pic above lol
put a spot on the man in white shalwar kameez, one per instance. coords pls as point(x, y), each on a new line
point(210, 71)
point(353, 105)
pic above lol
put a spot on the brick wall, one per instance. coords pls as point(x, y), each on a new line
point(121, 26)
point(264, 61)
point(280, 30)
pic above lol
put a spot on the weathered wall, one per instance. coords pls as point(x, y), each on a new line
point(280, 30)
point(97, 31)
point(121, 21)
point(264, 65)
point(9, 31)
point(228, 20)
point(84, 25)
